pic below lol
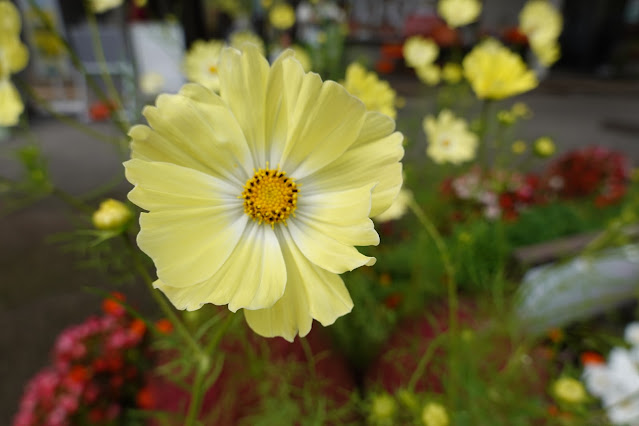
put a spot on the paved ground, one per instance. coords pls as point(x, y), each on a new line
point(41, 289)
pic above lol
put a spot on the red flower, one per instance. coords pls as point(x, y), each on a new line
point(112, 305)
point(138, 327)
point(591, 358)
point(164, 326)
point(144, 398)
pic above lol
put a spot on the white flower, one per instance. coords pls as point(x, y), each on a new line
point(151, 83)
point(449, 139)
point(632, 333)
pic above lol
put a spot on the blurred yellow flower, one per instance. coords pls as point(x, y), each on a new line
point(429, 74)
point(152, 83)
point(542, 23)
point(111, 215)
point(101, 6)
point(397, 209)
point(141, 3)
point(544, 147)
point(434, 414)
point(201, 64)
point(11, 105)
point(448, 138)
point(258, 197)
point(383, 408)
point(238, 38)
point(282, 16)
point(458, 13)
point(303, 57)
point(494, 72)
point(10, 23)
point(452, 73)
point(569, 390)
point(419, 51)
point(48, 43)
point(14, 56)
point(506, 117)
point(521, 110)
point(376, 94)
point(519, 147)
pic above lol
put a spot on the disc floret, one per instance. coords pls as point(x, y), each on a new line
point(270, 196)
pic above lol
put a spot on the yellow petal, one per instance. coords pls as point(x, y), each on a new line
point(276, 117)
point(323, 247)
point(376, 126)
point(311, 293)
point(253, 277)
point(11, 105)
point(324, 120)
point(243, 80)
point(206, 132)
point(165, 186)
point(209, 233)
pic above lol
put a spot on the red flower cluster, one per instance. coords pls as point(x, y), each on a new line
point(98, 367)
point(592, 171)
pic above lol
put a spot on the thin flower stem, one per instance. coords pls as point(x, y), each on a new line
point(162, 303)
point(101, 58)
point(453, 303)
point(198, 390)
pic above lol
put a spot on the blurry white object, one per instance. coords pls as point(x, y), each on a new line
point(158, 47)
point(557, 294)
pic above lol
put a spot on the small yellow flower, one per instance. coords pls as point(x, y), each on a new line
point(14, 56)
point(397, 209)
point(544, 147)
point(11, 106)
point(101, 6)
point(435, 414)
point(458, 13)
point(282, 16)
point(452, 73)
point(494, 72)
point(376, 94)
point(429, 74)
point(449, 140)
point(383, 409)
point(542, 23)
point(519, 147)
point(202, 62)
point(303, 57)
point(419, 51)
point(258, 197)
point(10, 22)
point(152, 83)
point(569, 390)
point(238, 38)
point(111, 215)
point(521, 110)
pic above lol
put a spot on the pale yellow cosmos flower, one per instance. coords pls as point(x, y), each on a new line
point(544, 147)
point(10, 22)
point(434, 414)
point(11, 105)
point(452, 73)
point(376, 94)
point(14, 56)
point(458, 13)
point(542, 23)
point(495, 72)
point(101, 6)
point(257, 198)
point(449, 139)
point(202, 61)
point(282, 16)
point(238, 38)
point(429, 74)
point(420, 51)
point(569, 390)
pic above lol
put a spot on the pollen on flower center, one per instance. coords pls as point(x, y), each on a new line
point(270, 196)
point(212, 69)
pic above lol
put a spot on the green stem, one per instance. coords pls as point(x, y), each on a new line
point(72, 201)
point(101, 59)
point(453, 303)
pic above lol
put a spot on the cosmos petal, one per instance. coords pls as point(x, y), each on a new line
point(311, 293)
point(253, 277)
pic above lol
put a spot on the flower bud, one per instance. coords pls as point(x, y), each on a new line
point(544, 147)
point(111, 215)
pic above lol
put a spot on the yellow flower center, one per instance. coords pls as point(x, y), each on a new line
point(212, 69)
point(270, 196)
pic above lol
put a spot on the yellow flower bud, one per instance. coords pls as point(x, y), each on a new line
point(383, 408)
point(518, 147)
point(111, 215)
point(282, 16)
point(435, 414)
point(569, 390)
point(506, 117)
point(544, 147)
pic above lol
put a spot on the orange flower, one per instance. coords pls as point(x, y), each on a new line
point(144, 399)
point(591, 358)
point(112, 305)
point(138, 327)
point(164, 326)
point(79, 374)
